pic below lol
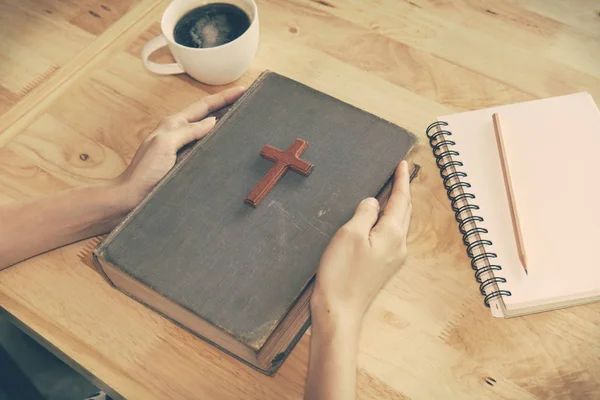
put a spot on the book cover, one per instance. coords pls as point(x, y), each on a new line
point(236, 275)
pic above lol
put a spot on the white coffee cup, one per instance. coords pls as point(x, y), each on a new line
point(212, 65)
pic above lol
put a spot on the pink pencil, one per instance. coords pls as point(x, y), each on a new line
point(509, 190)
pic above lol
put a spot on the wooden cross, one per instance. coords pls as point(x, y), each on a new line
point(283, 160)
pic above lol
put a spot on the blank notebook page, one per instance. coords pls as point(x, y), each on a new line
point(552, 147)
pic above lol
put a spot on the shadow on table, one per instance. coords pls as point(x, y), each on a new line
point(29, 371)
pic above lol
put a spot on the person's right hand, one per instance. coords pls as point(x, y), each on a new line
point(362, 256)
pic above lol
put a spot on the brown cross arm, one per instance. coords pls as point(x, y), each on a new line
point(283, 160)
point(290, 157)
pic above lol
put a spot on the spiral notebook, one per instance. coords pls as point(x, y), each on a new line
point(551, 150)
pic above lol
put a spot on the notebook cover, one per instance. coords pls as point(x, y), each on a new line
point(551, 148)
point(196, 242)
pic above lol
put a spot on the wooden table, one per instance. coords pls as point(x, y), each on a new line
point(76, 101)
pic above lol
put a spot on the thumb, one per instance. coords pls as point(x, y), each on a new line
point(365, 215)
point(192, 131)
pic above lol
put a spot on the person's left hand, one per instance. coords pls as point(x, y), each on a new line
point(158, 153)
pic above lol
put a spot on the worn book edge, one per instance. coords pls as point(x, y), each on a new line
point(267, 359)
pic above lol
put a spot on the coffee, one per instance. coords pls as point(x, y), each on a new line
point(211, 25)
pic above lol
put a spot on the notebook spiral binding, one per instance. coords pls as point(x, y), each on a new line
point(455, 185)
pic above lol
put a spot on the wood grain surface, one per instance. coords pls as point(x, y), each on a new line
point(41, 37)
point(427, 335)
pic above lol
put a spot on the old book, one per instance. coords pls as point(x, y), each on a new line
point(236, 275)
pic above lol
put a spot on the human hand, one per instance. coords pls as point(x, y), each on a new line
point(362, 256)
point(158, 153)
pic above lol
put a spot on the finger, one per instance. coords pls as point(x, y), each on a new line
point(191, 132)
point(200, 109)
point(398, 205)
point(365, 216)
point(394, 220)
